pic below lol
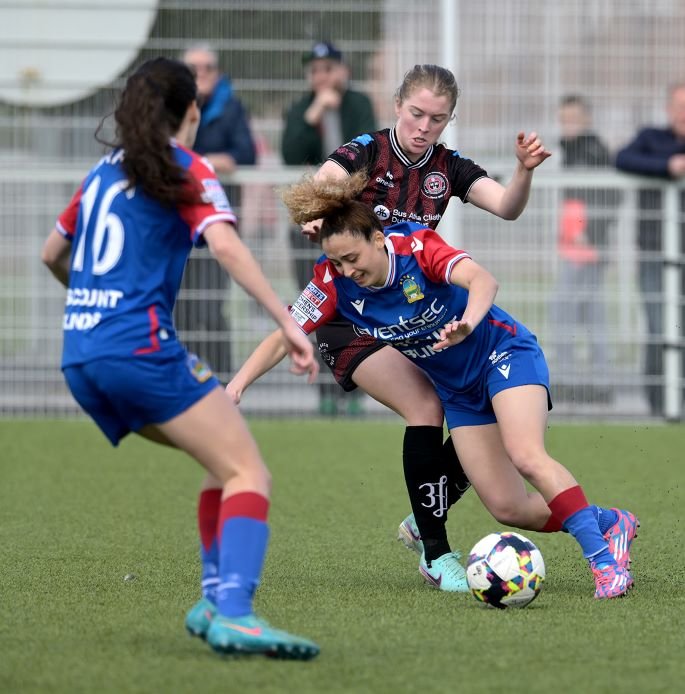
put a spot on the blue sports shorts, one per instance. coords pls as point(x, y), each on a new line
point(517, 360)
point(125, 394)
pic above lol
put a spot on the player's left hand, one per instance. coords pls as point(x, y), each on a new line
point(300, 350)
point(452, 334)
point(530, 150)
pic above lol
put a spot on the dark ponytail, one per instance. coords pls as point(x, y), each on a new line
point(150, 111)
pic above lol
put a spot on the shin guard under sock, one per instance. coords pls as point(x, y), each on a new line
point(243, 537)
point(572, 508)
point(208, 522)
point(427, 483)
point(457, 481)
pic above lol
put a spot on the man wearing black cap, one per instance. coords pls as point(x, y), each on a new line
point(328, 116)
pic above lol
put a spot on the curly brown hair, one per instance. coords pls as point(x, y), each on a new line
point(333, 201)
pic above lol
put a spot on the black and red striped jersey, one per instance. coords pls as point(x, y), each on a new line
point(400, 190)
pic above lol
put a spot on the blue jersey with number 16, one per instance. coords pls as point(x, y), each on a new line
point(128, 257)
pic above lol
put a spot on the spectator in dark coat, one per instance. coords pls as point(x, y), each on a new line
point(658, 152)
point(327, 116)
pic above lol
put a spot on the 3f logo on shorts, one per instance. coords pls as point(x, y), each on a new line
point(436, 496)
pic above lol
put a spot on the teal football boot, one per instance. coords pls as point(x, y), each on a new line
point(199, 618)
point(250, 635)
point(445, 573)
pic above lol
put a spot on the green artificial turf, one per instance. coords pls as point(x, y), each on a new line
point(77, 516)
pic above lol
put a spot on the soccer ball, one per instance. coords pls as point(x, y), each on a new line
point(505, 570)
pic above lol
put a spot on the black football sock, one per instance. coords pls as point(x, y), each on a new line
point(458, 482)
point(427, 481)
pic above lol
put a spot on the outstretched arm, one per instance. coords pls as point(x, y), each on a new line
point(508, 202)
point(266, 355)
point(235, 257)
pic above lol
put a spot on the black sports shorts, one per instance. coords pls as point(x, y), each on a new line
point(343, 350)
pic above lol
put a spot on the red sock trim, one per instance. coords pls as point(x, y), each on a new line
point(246, 505)
point(208, 515)
point(568, 502)
point(553, 525)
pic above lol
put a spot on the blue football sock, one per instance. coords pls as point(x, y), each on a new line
point(584, 527)
point(209, 559)
point(242, 548)
point(606, 517)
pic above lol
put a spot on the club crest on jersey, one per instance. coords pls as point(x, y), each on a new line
point(199, 370)
point(410, 289)
point(382, 212)
point(434, 185)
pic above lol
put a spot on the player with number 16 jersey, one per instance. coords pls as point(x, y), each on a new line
point(128, 257)
point(119, 249)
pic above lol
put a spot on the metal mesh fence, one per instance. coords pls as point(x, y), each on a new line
point(514, 62)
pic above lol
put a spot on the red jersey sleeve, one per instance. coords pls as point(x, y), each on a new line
point(435, 257)
point(213, 205)
point(317, 303)
point(66, 222)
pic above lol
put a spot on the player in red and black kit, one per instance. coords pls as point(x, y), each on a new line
point(398, 190)
point(412, 178)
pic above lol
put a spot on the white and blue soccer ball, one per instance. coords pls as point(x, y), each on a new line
point(505, 570)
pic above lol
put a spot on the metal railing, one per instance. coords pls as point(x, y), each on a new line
point(523, 255)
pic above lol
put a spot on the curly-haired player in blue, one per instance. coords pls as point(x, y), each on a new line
point(120, 248)
point(407, 288)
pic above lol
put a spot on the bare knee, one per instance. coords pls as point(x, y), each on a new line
point(267, 479)
point(508, 513)
point(530, 461)
point(422, 408)
point(244, 474)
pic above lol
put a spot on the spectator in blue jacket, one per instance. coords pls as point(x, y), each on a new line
point(658, 152)
point(224, 136)
point(225, 139)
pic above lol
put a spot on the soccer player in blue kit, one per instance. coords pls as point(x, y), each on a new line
point(120, 248)
point(407, 288)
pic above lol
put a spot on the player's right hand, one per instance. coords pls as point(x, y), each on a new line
point(233, 393)
point(312, 230)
